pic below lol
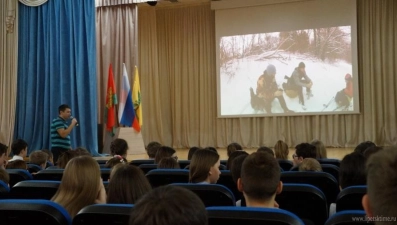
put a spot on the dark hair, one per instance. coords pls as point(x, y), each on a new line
point(3, 149)
point(211, 149)
point(18, 145)
point(117, 159)
point(281, 150)
point(127, 184)
point(371, 150)
point(62, 108)
point(65, 157)
point(382, 182)
point(235, 168)
point(168, 163)
point(265, 149)
point(233, 147)
point(118, 147)
point(169, 205)
point(352, 170)
point(232, 156)
point(305, 150)
point(4, 176)
point(162, 152)
point(152, 148)
point(48, 152)
point(302, 65)
point(82, 151)
point(17, 164)
point(360, 148)
point(192, 150)
point(260, 176)
point(200, 165)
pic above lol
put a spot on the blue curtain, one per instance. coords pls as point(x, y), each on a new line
point(57, 65)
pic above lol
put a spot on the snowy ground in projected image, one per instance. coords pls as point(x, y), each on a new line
point(241, 74)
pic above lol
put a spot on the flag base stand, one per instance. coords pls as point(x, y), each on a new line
point(133, 138)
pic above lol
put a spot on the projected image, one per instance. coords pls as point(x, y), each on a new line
point(301, 71)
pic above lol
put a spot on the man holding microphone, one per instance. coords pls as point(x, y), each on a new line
point(60, 130)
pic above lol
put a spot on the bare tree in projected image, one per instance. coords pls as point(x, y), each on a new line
point(331, 43)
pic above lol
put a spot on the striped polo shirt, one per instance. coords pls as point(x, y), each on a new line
point(56, 139)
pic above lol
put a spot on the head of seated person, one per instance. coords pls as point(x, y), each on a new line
point(265, 149)
point(260, 180)
point(65, 158)
point(169, 205)
point(82, 151)
point(50, 155)
point(360, 148)
point(233, 147)
point(303, 151)
point(19, 149)
point(151, 149)
point(234, 155)
point(381, 198)
point(127, 184)
point(38, 158)
point(117, 159)
point(310, 164)
point(321, 151)
point(281, 150)
point(352, 170)
point(3, 155)
point(235, 169)
point(81, 185)
point(163, 152)
point(371, 150)
point(168, 163)
point(204, 167)
point(192, 150)
point(17, 164)
point(119, 147)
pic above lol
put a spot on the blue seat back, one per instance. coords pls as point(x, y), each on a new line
point(286, 165)
point(304, 200)
point(350, 198)
point(331, 169)
point(335, 162)
point(105, 173)
point(43, 212)
point(183, 163)
point(33, 168)
point(138, 162)
point(4, 190)
point(349, 217)
point(160, 177)
point(109, 214)
point(17, 175)
point(35, 189)
point(147, 167)
point(211, 194)
point(227, 215)
point(49, 174)
point(324, 181)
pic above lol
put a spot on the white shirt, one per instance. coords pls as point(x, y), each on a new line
point(16, 157)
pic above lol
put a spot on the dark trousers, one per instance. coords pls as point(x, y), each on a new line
point(299, 90)
point(57, 152)
point(268, 104)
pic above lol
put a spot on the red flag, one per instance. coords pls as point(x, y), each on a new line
point(111, 101)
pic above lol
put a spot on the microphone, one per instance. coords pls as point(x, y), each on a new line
point(77, 124)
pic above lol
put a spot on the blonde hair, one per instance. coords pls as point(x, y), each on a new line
point(281, 150)
point(38, 157)
point(310, 164)
point(80, 184)
point(321, 152)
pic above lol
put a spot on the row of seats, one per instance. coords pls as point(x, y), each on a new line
point(304, 200)
point(49, 213)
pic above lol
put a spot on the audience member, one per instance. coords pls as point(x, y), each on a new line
point(303, 151)
point(360, 148)
point(260, 180)
point(169, 205)
point(192, 150)
point(65, 157)
point(310, 164)
point(168, 163)
point(232, 156)
point(80, 151)
point(17, 164)
point(38, 158)
point(152, 148)
point(117, 159)
point(233, 147)
point(371, 150)
point(20, 149)
point(126, 185)
point(50, 157)
point(235, 170)
point(211, 149)
point(3, 156)
point(163, 152)
point(204, 167)
point(352, 170)
point(81, 185)
point(321, 151)
point(281, 150)
point(119, 147)
point(381, 198)
point(265, 149)
point(4, 176)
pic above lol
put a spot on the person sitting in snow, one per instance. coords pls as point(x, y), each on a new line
point(344, 96)
point(267, 90)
